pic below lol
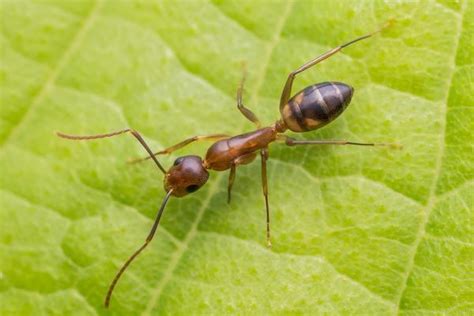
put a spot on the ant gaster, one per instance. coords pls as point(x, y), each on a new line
point(310, 109)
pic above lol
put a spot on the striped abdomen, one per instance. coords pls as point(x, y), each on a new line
point(316, 105)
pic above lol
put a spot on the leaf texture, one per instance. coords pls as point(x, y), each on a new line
point(355, 230)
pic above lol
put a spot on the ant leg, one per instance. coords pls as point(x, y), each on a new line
point(264, 156)
point(231, 182)
point(128, 130)
point(292, 142)
point(286, 93)
point(181, 145)
point(241, 160)
point(240, 105)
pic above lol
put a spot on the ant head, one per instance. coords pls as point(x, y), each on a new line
point(186, 175)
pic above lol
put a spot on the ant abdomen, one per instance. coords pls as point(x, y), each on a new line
point(311, 108)
point(316, 106)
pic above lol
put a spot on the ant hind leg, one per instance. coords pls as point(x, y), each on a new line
point(286, 93)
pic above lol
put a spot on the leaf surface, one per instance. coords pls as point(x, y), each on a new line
point(355, 230)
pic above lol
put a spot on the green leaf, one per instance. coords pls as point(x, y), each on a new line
point(355, 230)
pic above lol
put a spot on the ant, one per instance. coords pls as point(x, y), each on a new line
point(310, 109)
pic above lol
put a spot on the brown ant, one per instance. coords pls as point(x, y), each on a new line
point(310, 109)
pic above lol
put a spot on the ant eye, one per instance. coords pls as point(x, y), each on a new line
point(178, 161)
point(192, 188)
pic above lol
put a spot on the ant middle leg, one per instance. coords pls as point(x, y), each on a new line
point(240, 105)
point(286, 93)
point(180, 145)
point(264, 155)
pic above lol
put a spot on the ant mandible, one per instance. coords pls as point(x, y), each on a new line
point(310, 109)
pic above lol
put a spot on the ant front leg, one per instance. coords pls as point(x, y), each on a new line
point(240, 105)
point(242, 160)
point(231, 182)
point(264, 155)
point(182, 144)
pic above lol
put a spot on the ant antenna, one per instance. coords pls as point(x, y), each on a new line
point(128, 130)
point(137, 252)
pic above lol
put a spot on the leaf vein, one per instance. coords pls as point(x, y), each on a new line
point(63, 61)
point(155, 297)
point(439, 160)
point(290, 254)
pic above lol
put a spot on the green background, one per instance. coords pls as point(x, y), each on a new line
point(365, 231)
